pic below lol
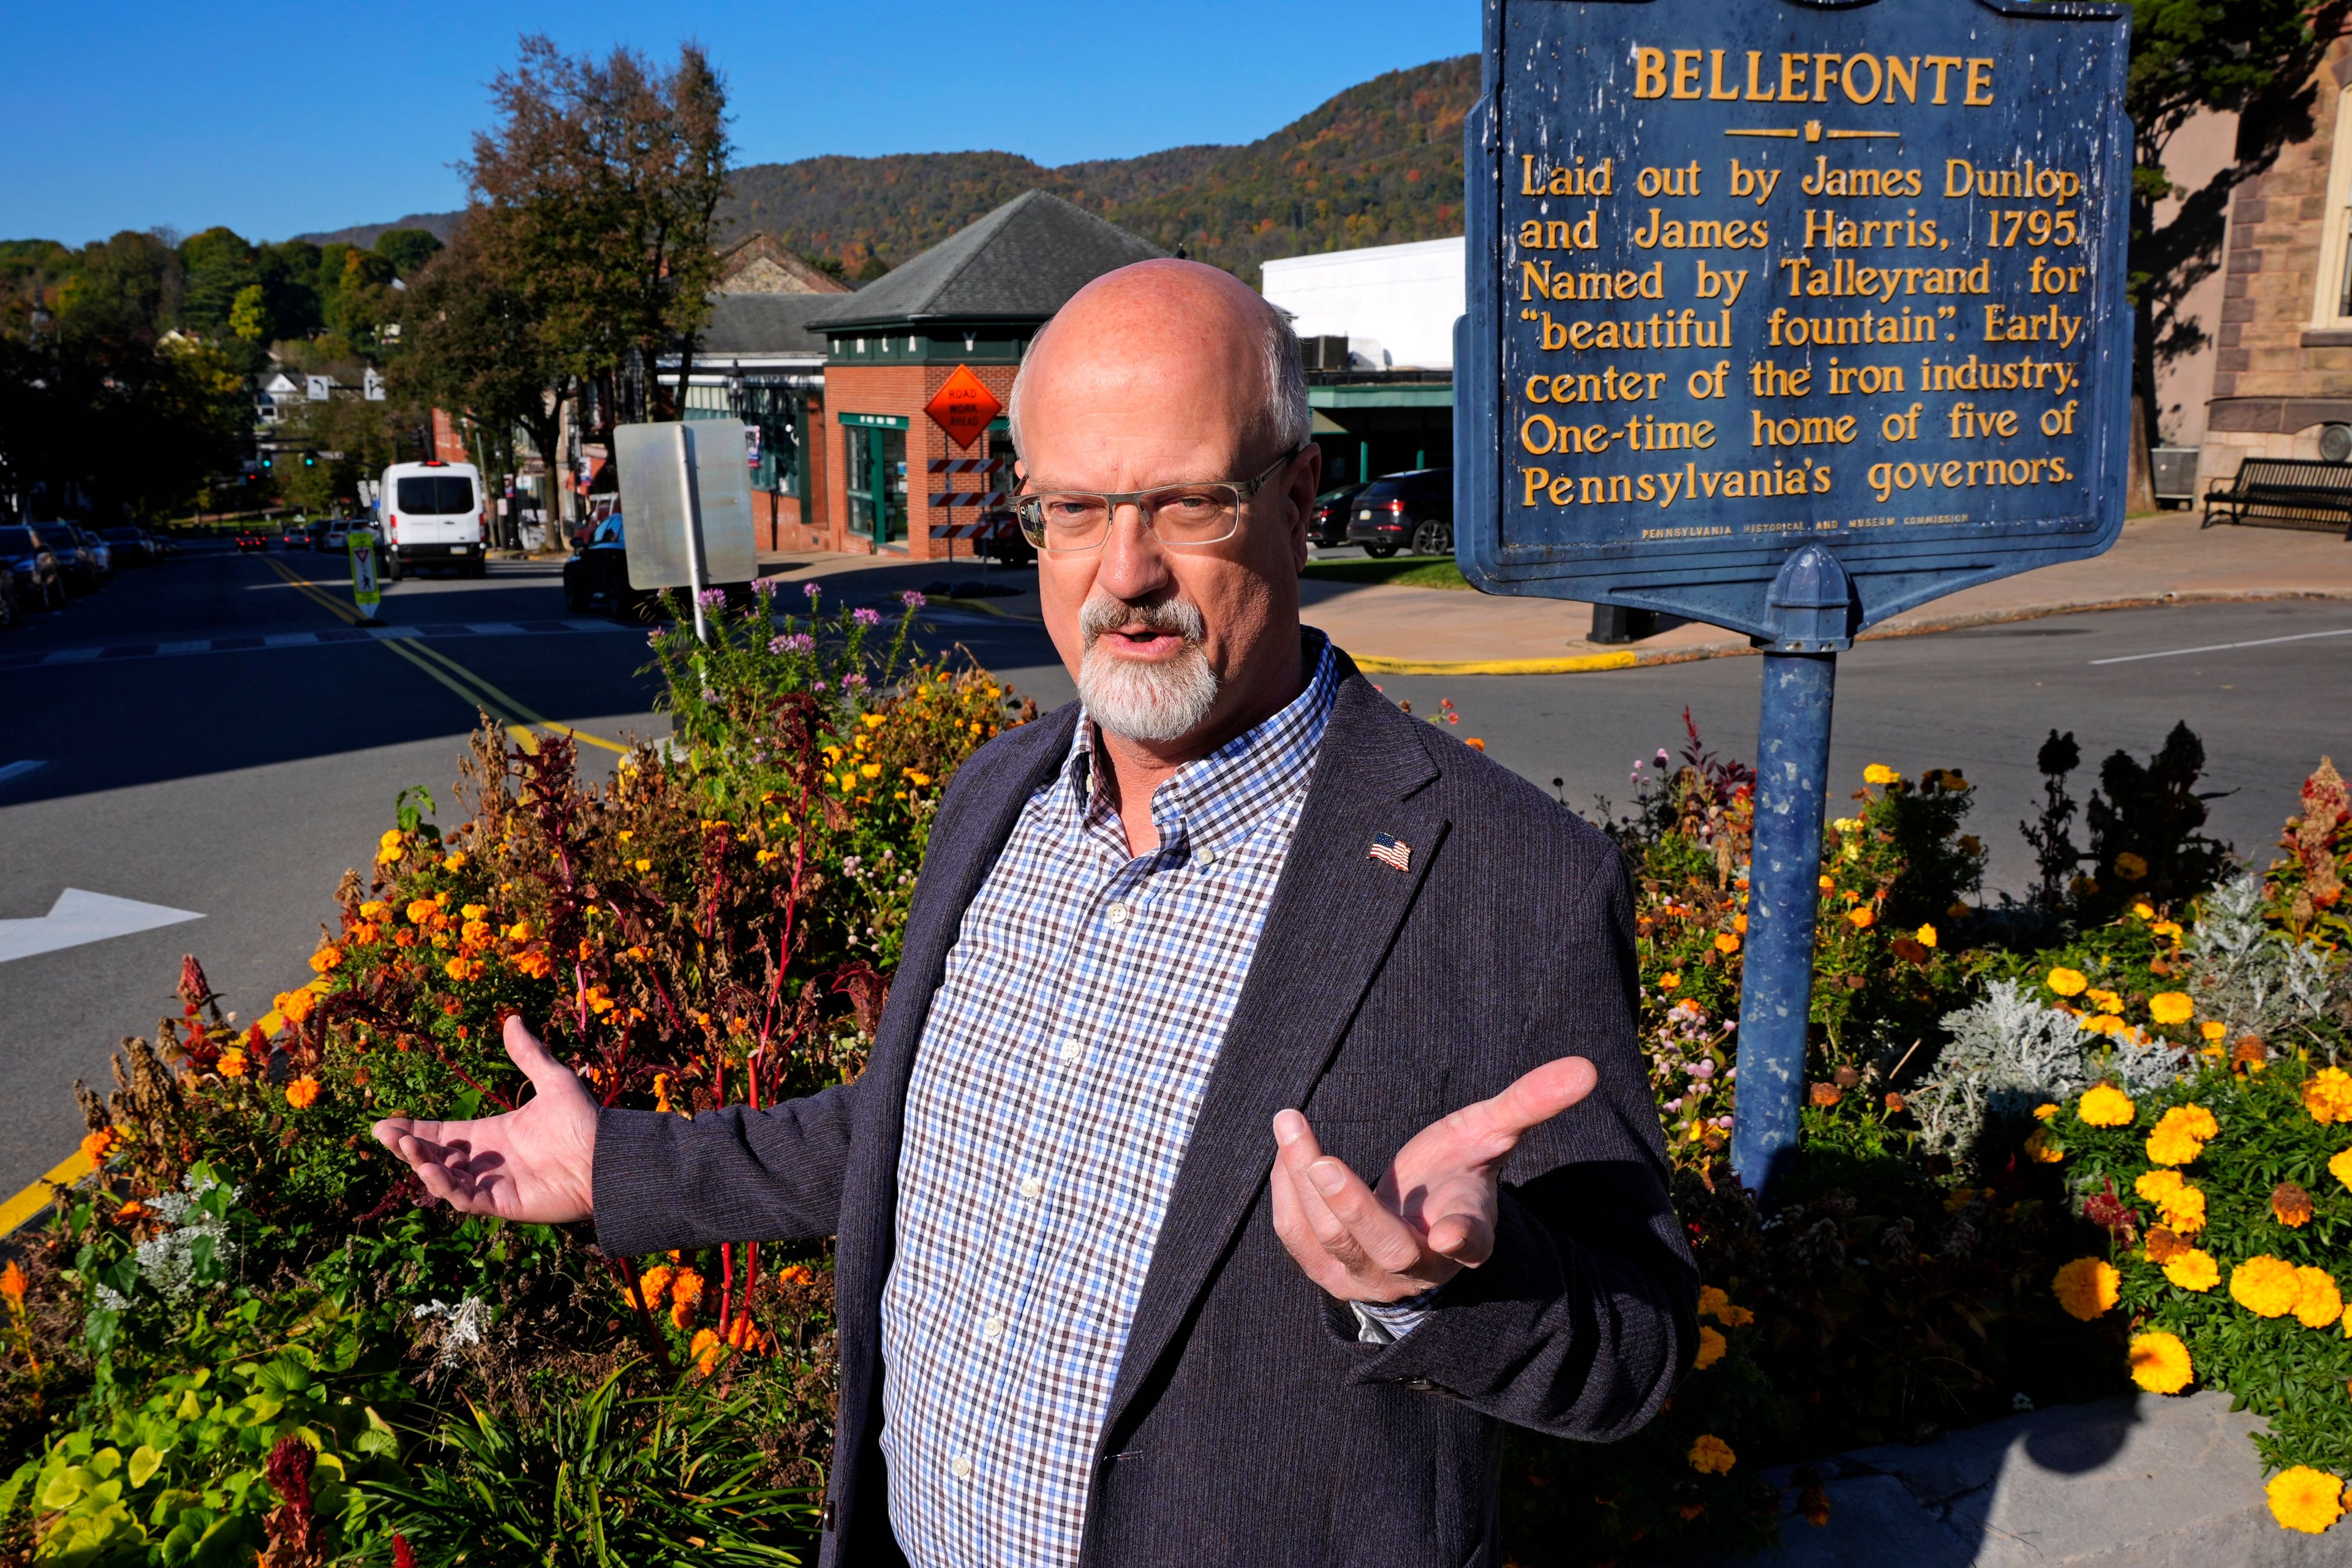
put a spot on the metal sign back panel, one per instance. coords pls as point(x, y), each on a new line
point(1748, 276)
point(654, 503)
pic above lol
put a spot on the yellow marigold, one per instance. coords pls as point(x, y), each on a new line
point(454, 862)
point(2171, 1007)
point(2045, 1112)
point(1712, 1299)
point(2104, 1001)
point(2066, 981)
point(2212, 1028)
point(2131, 867)
point(2171, 1147)
point(1726, 943)
point(2265, 1285)
point(460, 969)
point(1861, 916)
point(374, 909)
point(1829, 884)
point(2086, 1286)
point(96, 1146)
point(2159, 1361)
point(2340, 1167)
point(1711, 1455)
point(647, 864)
point(2105, 1105)
point(2167, 928)
point(519, 931)
point(2183, 1206)
point(366, 931)
point(2307, 1500)
point(1712, 1348)
point(232, 1063)
point(2192, 1269)
point(475, 911)
point(1924, 936)
point(302, 1091)
point(476, 931)
point(2101, 1024)
point(2317, 1303)
point(2328, 1095)
point(390, 852)
point(2041, 1150)
point(2144, 910)
point(1879, 774)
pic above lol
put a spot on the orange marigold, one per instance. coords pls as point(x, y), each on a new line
point(2328, 1095)
point(2159, 1361)
point(302, 1091)
point(1711, 1455)
point(2319, 1304)
point(2265, 1285)
point(1712, 1347)
point(2105, 1105)
point(2291, 1205)
point(232, 1063)
point(2086, 1286)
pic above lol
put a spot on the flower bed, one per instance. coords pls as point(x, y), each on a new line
point(2049, 1147)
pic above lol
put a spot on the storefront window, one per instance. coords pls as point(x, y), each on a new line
point(878, 484)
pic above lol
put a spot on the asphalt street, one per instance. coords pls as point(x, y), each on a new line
point(217, 739)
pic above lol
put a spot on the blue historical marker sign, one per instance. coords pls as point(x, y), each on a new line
point(1750, 274)
point(1789, 315)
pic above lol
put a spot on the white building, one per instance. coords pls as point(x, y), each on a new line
point(1395, 304)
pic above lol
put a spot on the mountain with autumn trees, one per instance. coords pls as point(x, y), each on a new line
point(1381, 164)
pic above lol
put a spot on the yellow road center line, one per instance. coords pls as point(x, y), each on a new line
point(512, 706)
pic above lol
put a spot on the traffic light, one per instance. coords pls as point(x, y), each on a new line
point(310, 459)
point(268, 460)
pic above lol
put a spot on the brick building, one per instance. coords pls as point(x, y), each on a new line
point(973, 300)
point(2283, 362)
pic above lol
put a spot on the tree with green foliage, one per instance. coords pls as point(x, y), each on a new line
point(2254, 59)
point(408, 249)
point(219, 266)
point(340, 442)
point(594, 197)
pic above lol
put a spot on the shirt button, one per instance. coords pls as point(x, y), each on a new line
point(993, 1329)
point(1031, 1186)
point(1072, 1050)
point(961, 1467)
point(1116, 914)
point(1206, 858)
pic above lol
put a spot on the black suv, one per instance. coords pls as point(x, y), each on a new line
point(1396, 510)
point(1328, 518)
point(40, 581)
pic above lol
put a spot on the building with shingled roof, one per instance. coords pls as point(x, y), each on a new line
point(974, 300)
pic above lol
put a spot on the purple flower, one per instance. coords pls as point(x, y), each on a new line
point(852, 681)
point(765, 586)
point(811, 590)
point(818, 687)
point(653, 637)
point(912, 599)
point(712, 599)
point(865, 617)
point(792, 642)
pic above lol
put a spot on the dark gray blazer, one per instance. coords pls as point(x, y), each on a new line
point(1247, 1427)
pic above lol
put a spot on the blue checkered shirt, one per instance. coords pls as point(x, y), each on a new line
point(1061, 1067)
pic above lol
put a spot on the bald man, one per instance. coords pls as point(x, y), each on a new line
point(1256, 1121)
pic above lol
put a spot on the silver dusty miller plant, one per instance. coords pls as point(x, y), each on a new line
point(2255, 978)
point(2007, 1054)
point(461, 1327)
point(195, 1244)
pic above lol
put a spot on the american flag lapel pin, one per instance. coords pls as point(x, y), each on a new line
point(1391, 852)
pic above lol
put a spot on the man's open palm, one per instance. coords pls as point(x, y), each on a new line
point(1432, 1214)
point(534, 1164)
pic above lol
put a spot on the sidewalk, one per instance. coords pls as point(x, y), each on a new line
point(2162, 560)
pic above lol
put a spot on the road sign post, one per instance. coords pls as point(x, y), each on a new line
point(366, 591)
point(1787, 317)
point(685, 504)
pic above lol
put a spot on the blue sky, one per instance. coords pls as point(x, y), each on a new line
point(277, 118)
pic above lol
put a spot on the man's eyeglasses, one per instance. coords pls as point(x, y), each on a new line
point(1205, 514)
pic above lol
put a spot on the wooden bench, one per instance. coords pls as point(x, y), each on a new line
point(2284, 492)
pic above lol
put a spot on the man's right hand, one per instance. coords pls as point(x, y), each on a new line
point(535, 1164)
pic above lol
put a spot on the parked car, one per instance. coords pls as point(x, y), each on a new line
point(40, 580)
point(315, 534)
point(251, 538)
point(1413, 508)
point(338, 534)
point(1327, 519)
point(131, 547)
point(99, 551)
point(10, 610)
point(159, 545)
point(1007, 545)
point(598, 575)
point(77, 565)
point(294, 536)
point(432, 517)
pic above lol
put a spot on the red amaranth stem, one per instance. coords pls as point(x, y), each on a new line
point(628, 1282)
point(726, 1284)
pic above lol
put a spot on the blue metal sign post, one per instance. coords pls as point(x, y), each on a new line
point(1789, 315)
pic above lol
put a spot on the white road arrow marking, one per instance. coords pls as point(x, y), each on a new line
point(79, 916)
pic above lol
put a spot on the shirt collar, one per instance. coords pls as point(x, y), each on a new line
point(1212, 801)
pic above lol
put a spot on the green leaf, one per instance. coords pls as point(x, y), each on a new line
point(144, 1462)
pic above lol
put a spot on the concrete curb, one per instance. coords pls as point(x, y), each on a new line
point(2137, 1479)
point(1637, 658)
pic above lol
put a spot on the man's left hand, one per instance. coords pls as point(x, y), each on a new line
point(1432, 1214)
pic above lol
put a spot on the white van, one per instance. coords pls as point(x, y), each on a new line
point(432, 515)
